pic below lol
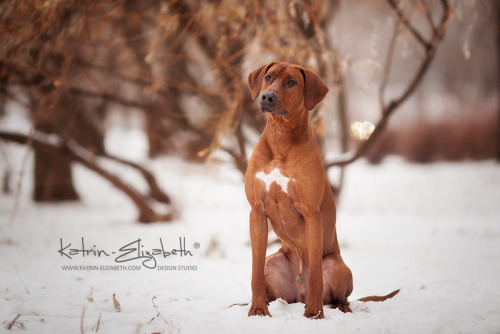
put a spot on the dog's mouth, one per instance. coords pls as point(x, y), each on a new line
point(272, 111)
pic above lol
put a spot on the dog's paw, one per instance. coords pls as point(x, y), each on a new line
point(313, 313)
point(344, 307)
point(258, 310)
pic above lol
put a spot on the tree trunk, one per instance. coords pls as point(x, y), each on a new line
point(62, 114)
point(53, 177)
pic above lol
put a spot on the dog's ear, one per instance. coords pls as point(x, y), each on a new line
point(314, 89)
point(255, 79)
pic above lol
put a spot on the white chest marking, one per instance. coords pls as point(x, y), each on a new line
point(274, 176)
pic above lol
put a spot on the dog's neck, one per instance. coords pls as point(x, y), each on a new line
point(284, 132)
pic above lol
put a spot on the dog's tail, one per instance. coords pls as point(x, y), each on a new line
point(378, 298)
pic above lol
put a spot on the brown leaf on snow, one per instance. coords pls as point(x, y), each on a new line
point(117, 304)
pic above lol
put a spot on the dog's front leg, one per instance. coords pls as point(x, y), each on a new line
point(258, 237)
point(314, 230)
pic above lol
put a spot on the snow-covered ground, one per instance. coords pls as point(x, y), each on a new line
point(431, 230)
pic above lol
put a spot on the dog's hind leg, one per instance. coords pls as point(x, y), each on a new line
point(280, 279)
point(338, 278)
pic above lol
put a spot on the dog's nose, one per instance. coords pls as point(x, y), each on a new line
point(269, 97)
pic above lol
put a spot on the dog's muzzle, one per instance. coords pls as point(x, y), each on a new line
point(268, 104)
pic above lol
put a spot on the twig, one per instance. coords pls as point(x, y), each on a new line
point(238, 304)
point(89, 297)
point(81, 320)
point(387, 67)
point(158, 313)
point(98, 323)
point(428, 14)
point(27, 291)
point(285, 304)
point(404, 19)
point(9, 326)
point(21, 172)
point(317, 315)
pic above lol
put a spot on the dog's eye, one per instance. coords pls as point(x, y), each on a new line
point(268, 77)
point(291, 83)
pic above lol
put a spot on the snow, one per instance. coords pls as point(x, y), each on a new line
point(431, 230)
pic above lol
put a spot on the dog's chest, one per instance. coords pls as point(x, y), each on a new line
point(274, 177)
point(277, 188)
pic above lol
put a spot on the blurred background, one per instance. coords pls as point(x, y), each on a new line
point(85, 81)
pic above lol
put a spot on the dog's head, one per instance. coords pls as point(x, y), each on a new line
point(286, 88)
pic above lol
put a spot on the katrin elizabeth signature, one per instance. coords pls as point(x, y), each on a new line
point(132, 251)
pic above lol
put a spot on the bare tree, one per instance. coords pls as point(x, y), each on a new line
point(45, 53)
point(76, 61)
point(429, 46)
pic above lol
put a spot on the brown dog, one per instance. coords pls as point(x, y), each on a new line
point(286, 183)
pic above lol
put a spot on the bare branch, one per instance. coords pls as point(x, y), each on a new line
point(428, 14)
point(387, 66)
point(155, 189)
point(9, 326)
point(404, 19)
point(88, 159)
point(387, 111)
